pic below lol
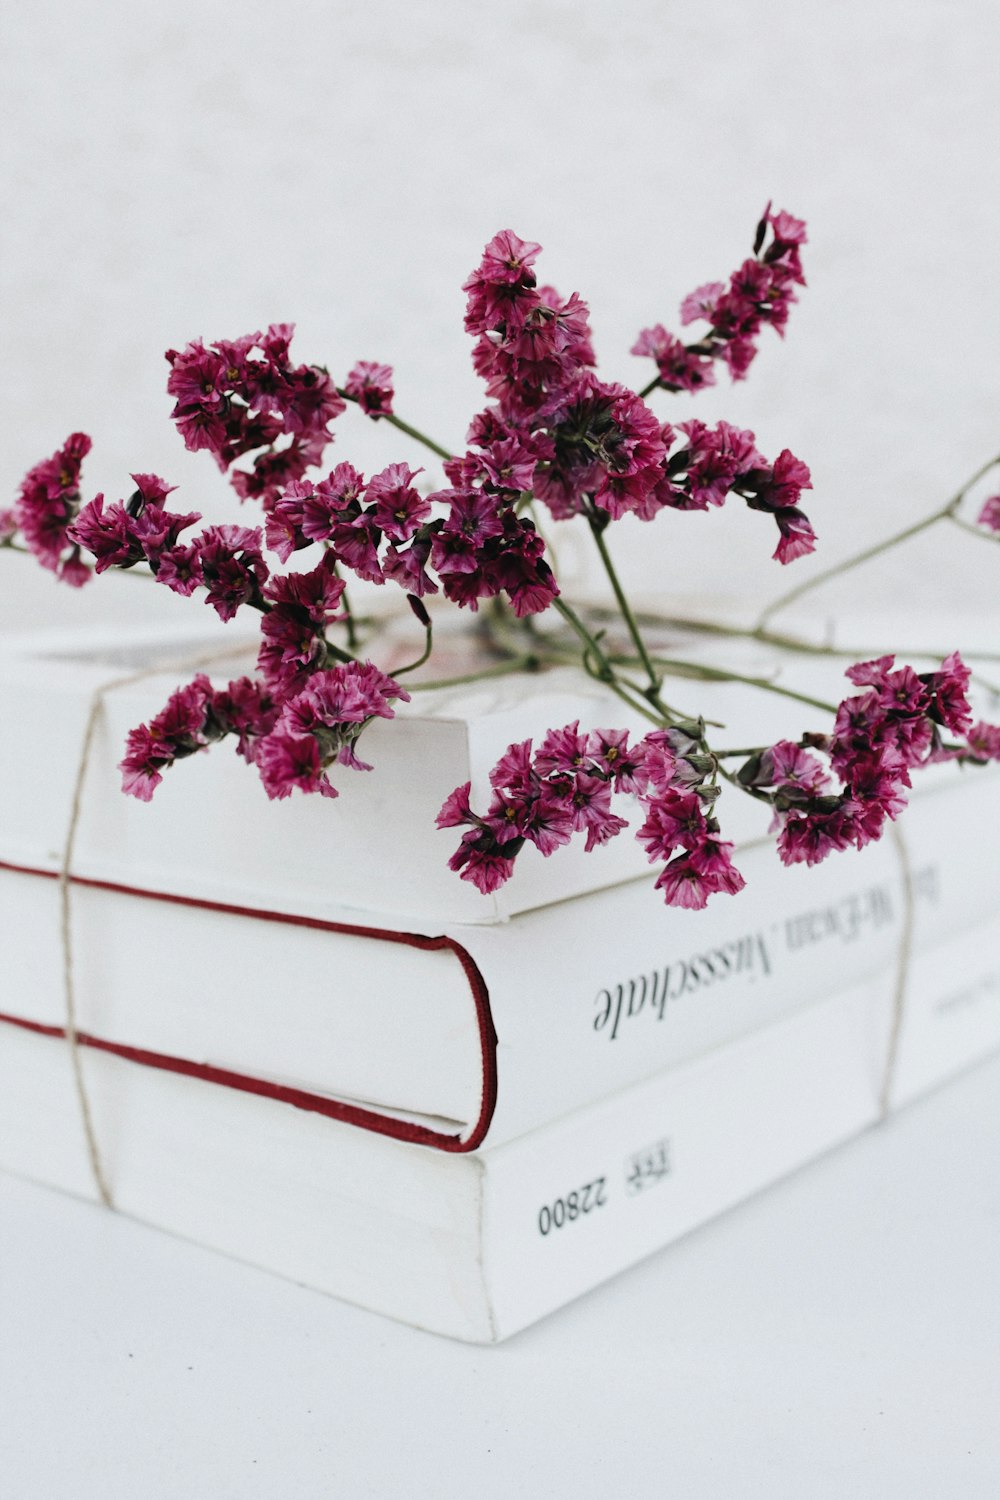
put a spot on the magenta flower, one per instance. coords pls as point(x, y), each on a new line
point(878, 737)
point(46, 506)
point(289, 761)
point(989, 516)
point(238, 396)
point(759, 292)
point(807, 838)
point(371, 387)
point(398, 509)
point(133, 531)
point(948, 688)
point(567, 787)
point(231, 567)
point(323, 712)
point(181, 728)
point(984, 741)
point(707, 870)
point(680, 368)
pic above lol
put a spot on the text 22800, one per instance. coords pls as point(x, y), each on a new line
point(567, 1210)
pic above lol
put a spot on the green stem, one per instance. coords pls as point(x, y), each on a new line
point(401, 426)
point(648, 390)
point(337, 653)
point(593, 646)
point(624, 606)
point(603, 671)
point(720, 674)
point(751, 791)
point(502, 669)
point(945, 512)
point(815, 582)
point(976, 531)
point(428, 645)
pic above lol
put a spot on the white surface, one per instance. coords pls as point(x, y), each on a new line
point(838, 1336)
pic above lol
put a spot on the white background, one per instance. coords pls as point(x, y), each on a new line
point(192, 168)
point(185, 169)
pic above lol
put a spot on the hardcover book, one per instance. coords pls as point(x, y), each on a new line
point(478, 1246)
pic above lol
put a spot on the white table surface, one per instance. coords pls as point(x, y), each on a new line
point(837, 1336)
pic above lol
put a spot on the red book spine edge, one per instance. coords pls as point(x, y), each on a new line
point(332, 1109)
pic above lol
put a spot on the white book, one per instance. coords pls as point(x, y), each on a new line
point(454, 1035)
point(478, 1246)
point(202, 935)
point(211, 832)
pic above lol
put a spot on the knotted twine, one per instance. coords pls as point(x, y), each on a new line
point(65, 888)
point(97, 702)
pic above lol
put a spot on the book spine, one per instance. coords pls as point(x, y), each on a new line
point(577, 1201)
point(593, 995)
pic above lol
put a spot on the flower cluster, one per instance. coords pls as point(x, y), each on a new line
point(46, 507)
point(566, 787)
point(319, 726)
point(239, 395)
point(552, 432)
point(226, 561)
point(291, 742)
point(194, 717)
point(878, 737)
point(704, 470)
point(583, 445)
point(759, 292)
point(382, 530)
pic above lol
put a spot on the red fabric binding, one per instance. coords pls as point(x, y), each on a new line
point(352, 1114)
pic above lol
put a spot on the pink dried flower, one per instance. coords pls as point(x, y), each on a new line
point(371, 386)
point(46, 506)
point(289, 761)
point(237, 396)
point(984, 741)
point(759, 292)
point(989, 516)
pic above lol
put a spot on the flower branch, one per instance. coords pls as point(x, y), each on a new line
point(553, 440)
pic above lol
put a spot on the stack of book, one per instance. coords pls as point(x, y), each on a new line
point(307, 1044)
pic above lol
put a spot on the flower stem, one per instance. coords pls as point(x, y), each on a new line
point(428, 646)
point(352, 629)
point(945, 512)
point(721, 674)
point(976, 531)
point(501, 669)
point(597, 665)
point(648, 390)
point(751, 791)
point(401, 426)
point(593, 646)
point(623, 604)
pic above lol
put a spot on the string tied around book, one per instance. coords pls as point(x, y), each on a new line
point(95, 707)
point(903, 963)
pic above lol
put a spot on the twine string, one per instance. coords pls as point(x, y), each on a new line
point(902, 975)
point(65, 888)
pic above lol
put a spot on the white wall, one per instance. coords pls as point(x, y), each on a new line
point(201, 169)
